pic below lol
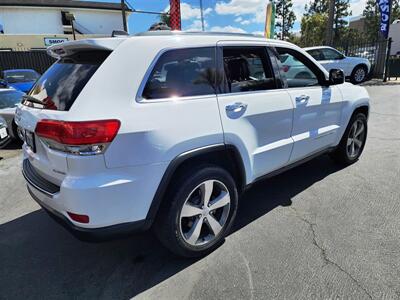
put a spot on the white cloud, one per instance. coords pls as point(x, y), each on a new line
point(196, 26)
point(239, 19)
point(245, 22)
point(189, 12)
point(256, 8)
point(258, 33)
point(298, 8)
point(228, 29)
point(357, 7)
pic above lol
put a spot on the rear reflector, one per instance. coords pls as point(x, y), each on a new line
point(78, 218)
point(78, 133)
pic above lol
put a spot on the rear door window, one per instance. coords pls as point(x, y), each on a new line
point(247, 69)
point(61, 84)
point(330, 54)
point(316, 54)
point(182, 73)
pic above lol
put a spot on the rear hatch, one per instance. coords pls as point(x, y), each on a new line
point(51, 99)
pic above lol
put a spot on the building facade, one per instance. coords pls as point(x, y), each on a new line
point(36, 24)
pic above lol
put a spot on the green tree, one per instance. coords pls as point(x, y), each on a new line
point(285, 17)
point(166, 18)
point(372, 18)
point(341, 12)
point(340, 24)
point(316, 7)
point(313, 29)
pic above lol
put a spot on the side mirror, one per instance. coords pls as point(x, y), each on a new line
point(3, 83)
point(336, 76)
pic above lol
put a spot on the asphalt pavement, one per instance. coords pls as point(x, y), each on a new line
point(316, 231)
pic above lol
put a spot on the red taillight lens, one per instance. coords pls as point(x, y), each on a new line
point(78, 133)
point(78, 218)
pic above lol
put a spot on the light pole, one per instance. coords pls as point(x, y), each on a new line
point(123, 15)
point(201, 15)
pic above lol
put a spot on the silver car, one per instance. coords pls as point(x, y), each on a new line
point(4, 136)
point(9, 100)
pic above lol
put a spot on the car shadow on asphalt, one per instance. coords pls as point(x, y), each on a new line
point(39, 259)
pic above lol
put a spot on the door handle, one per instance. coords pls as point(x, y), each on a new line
point(303, 99)
point(236, 107)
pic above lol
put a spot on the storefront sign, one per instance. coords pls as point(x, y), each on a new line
point(54, 41)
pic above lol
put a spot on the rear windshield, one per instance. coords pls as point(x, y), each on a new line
point(61, 84)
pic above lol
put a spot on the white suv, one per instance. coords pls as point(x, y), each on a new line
point(354, 68)
point(167, 129)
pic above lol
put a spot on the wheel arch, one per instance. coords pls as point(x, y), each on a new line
point(361, 109)
point(225, 156)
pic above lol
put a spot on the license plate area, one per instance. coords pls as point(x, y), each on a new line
point(30, 140)
point(3, 133)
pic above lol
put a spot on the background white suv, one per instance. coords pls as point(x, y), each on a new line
point(167, 129)
point(355, 68)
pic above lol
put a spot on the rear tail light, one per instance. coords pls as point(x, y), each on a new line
point(82, 138)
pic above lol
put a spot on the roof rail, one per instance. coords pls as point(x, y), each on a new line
point(177, 32)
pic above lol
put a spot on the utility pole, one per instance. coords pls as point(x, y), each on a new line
point(73, 29)
point(329, 27)
point(124, 15)
point(201, 14)
point(283, 21)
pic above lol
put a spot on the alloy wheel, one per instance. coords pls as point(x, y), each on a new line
point(355, 139)
point(359, 75)
point(204, 213)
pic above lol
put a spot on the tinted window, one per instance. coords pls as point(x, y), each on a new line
point(330, 54)
point(316, 53)
point(20, 76)
point(58, 88)
point(247, 69)
point(10, 98)
point(296, 68)
point(181, 73)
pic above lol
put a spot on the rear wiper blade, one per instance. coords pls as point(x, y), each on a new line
point(32, 99)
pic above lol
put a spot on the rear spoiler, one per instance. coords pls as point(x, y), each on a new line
point(69, 48)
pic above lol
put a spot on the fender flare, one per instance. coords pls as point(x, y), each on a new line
point(174, 165)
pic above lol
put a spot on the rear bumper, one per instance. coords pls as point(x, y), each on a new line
point(92, 234)
point(114, 206)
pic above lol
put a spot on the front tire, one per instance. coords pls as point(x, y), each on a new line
point(200, 212)
point(359, 74)
point(353, 141)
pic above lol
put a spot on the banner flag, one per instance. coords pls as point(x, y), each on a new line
point(384, 8)
point(175, 14)
point(270, 21)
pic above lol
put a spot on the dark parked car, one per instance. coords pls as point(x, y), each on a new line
point(9, 100)
point(20, 79)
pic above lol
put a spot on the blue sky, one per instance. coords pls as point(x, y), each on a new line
point(220, 15)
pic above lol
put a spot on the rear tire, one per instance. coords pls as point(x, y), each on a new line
point(353, 141)
point(187, 224)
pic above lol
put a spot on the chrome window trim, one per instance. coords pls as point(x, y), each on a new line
point(139, 98)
